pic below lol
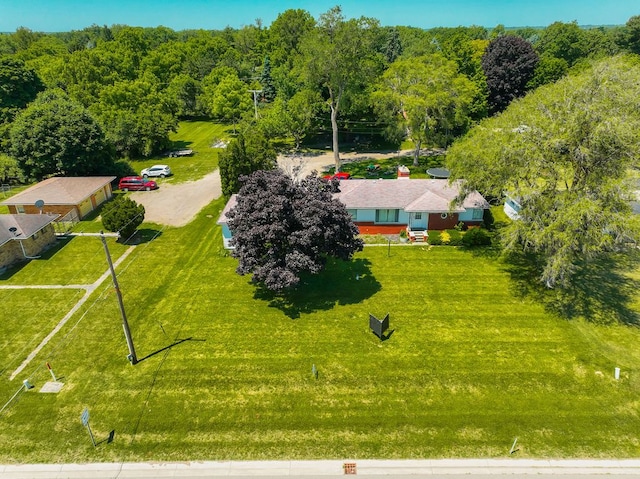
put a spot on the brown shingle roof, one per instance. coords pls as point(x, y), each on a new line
point(25, 226)
point(60, 190)
point(408, 194)
point(230, 204)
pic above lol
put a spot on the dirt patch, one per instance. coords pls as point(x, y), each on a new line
point(324, 161)
point(177, 205)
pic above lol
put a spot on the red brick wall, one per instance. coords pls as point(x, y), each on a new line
point(374, 229)
point(54, 209)
point(436, 222)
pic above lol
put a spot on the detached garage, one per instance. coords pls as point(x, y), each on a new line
point(72, 198)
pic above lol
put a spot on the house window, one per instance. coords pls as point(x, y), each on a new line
point(386, 216)
point(477, 214)
point(20, 209)
point(35, 235)
point(354, 214)
point(444, 216)
point(418, 216)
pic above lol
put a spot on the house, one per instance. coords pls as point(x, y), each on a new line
point(72, 198)
point(389, 206)
point(24, 237)
point(222, 221)
point(512, 206)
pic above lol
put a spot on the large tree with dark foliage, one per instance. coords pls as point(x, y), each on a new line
point(283, 229)
point(508, 64)
point(55, 135)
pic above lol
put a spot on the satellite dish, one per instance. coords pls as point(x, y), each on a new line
point(39, 204)
point(13, 229)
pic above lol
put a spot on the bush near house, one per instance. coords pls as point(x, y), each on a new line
point(122, 215)
point(476, 237)
point(453, 237)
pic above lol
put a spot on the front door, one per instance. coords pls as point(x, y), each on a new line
point(418, 220)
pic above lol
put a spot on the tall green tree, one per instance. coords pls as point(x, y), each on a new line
point(55, 135)
point(428, 96)
point(246, 153)
point(225, 96)
point(563, 40)
point(629, 37)
point(19, 85)
point(565, 150)
point(338, 57)
point(293, 117)
point(137, 117)
point(286, 33)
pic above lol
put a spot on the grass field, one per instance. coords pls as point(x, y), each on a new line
point(198, 136)
point(473, 361)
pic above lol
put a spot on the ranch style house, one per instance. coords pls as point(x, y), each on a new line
point(389, 206)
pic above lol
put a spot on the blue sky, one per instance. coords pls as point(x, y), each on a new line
point(65, 15)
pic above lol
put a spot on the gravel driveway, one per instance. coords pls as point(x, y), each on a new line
point(177, 205)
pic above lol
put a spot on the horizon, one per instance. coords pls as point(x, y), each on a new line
point(57, 16)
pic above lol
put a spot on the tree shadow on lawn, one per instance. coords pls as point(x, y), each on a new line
point(599, 291)
point(141, 236)
point(341, 282)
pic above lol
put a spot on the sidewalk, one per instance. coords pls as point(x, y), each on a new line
point(328, 468)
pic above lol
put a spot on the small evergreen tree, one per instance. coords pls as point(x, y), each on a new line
point(122, 215)
point(245, 154)
point(266, 81)
point(393, 46)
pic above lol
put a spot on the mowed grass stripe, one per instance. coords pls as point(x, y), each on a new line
point(27, 319)
point(470, 365)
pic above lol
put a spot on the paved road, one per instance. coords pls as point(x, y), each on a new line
point(392, 469)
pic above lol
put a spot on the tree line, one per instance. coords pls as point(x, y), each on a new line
point(77, 102)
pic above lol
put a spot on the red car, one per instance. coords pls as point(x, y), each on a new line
point(136, 183)
point(341, 175)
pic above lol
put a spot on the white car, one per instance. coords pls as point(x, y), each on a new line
point(156, 170)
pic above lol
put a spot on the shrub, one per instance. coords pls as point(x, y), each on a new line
point(476, 237)
point(455, 237)
point(434, 237)
point(122, 215)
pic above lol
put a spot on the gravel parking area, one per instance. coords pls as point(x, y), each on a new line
point(177, 205)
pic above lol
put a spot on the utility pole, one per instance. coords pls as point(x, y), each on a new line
point(132, 351)
point(255, 100)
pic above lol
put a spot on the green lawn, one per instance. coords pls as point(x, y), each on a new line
point(4, 195)
point(472, 363)
point(75, 260)
point(198, 136)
